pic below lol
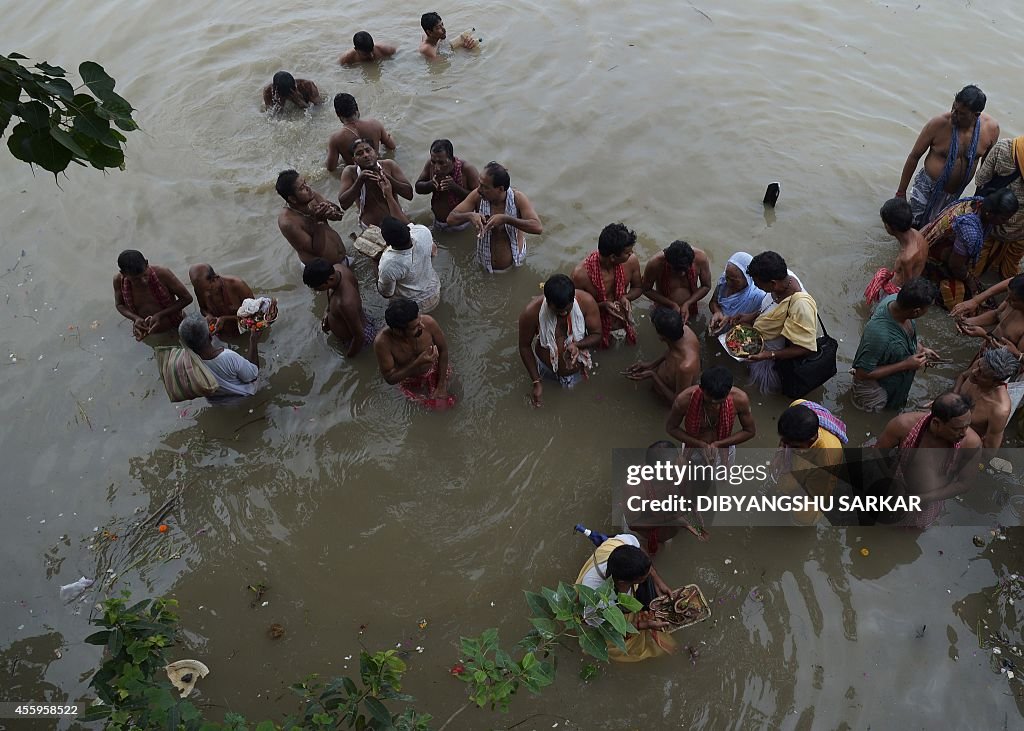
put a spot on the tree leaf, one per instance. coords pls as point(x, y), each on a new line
point(98, 81)
point(538, 605)
point(15, 55)
point(617, 620)
point(50, 70)
point(116, 642)
point(34, 113)
point(612, 636)
point(545, 626)
point(629, 603)
point(97, 638)
point(65, 139)
point(592, 643)
point(266, 726)
point(379, 712)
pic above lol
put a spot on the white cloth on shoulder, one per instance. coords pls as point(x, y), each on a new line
point(483, 244)
point(362, 191)
point(576, 331)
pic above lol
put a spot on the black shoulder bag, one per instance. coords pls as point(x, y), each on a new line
point(800, 376)
point(998, 182)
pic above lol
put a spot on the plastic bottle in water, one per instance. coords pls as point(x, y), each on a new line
point(596, 538)
point(75, 589)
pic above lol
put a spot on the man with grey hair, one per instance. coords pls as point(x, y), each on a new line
point(985, 384)
point(235, 375)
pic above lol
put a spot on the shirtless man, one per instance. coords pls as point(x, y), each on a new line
point(984, 383)
point(151, 297)
point(413, 353)
point(502, 216)
point(703, 416)
point(556, 332)
point(364, 50)
point(373, 185)
point(303, 220)
point(218, 297)
point(611, 275)
point(286, 88)
point(898, 220)
point(963, 132)
point(937, 454)
point(353, 128)
point(1008, 319)
point(679, 367)
point(448, 180)
point(345, 317)
point(435, 32)
point(670, 278)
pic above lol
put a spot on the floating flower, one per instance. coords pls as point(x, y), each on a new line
point(162, 528)
point(457, 669)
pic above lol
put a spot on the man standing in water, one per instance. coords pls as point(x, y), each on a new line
point(353, 128)
point(303, 220)
point(611, 275)
point(502, 217)
point(286, 88)
point(435, 32)
point(937, 453)
point(412, 352)
point(984, 384)
point(955, 142)
point(679, 367)
point(345, 317)
point(218, 297)
point(703, 417)
point(374, 185)
point(448, 180)
point(151, 297)
point(364, 50)
point(671, 277)
point(236, 376)
point(912, 257)
point(556, 333)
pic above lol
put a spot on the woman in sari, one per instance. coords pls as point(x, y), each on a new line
point(735, 295)
point(787, 320)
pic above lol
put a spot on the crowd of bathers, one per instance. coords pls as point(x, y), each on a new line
point(760, 311)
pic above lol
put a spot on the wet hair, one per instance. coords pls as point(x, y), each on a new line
point(284, 83)
point(444, 146)
point(559, 291)
point(716, 382)
point(971, 97)
point(897, 213)
point(798, 424)
point(1000, 203)
point(401, 312)
point(131, 262)
point(317, 272)
point(615, 238)
point(768, 266)
point(917, 292)
point(395, 233)
point(668, 323)
point(628, 563)
point(1003, 364)
point(345, 105)
point(194, 332)
point(1016, 287)
point(363, 42)
point(658, 449)
point(429, 21)
point(285, 185)
point(498, 175)
point(951, 405)
point(679, 255)
point(359, 141)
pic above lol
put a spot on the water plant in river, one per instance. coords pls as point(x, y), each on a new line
point(134, 693)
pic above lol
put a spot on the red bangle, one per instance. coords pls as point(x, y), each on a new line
point(900, 195)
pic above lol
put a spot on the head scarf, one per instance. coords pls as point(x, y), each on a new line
point(746, 300)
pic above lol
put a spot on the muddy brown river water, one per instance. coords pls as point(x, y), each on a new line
point(356, 509)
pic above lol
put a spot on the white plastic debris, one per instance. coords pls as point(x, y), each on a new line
point(183, 675)
point(75, 589)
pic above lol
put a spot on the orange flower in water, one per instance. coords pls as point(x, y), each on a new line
point(163, 528)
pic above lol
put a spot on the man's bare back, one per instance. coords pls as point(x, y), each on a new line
point(345, 318)
point(990, 413)
point(681, 367)
point(912, 257)
point(381, 51)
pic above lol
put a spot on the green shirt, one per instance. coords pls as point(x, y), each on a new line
point(883, 343)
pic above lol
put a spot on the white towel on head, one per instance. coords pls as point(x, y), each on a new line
point(577, 331)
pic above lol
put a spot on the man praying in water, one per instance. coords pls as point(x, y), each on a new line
point(219, 298)
point(151, 297)
point(435, 32)
point(373, 185)
point(448, 180)
point(304, 220)
point(353, 128)
point(286, 88)
point(412, 353)
point(364, 50)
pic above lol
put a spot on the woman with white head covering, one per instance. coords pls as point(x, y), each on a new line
point(736, 293)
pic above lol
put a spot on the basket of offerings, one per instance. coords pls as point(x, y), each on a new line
point(685, 606)
point(743, 341)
